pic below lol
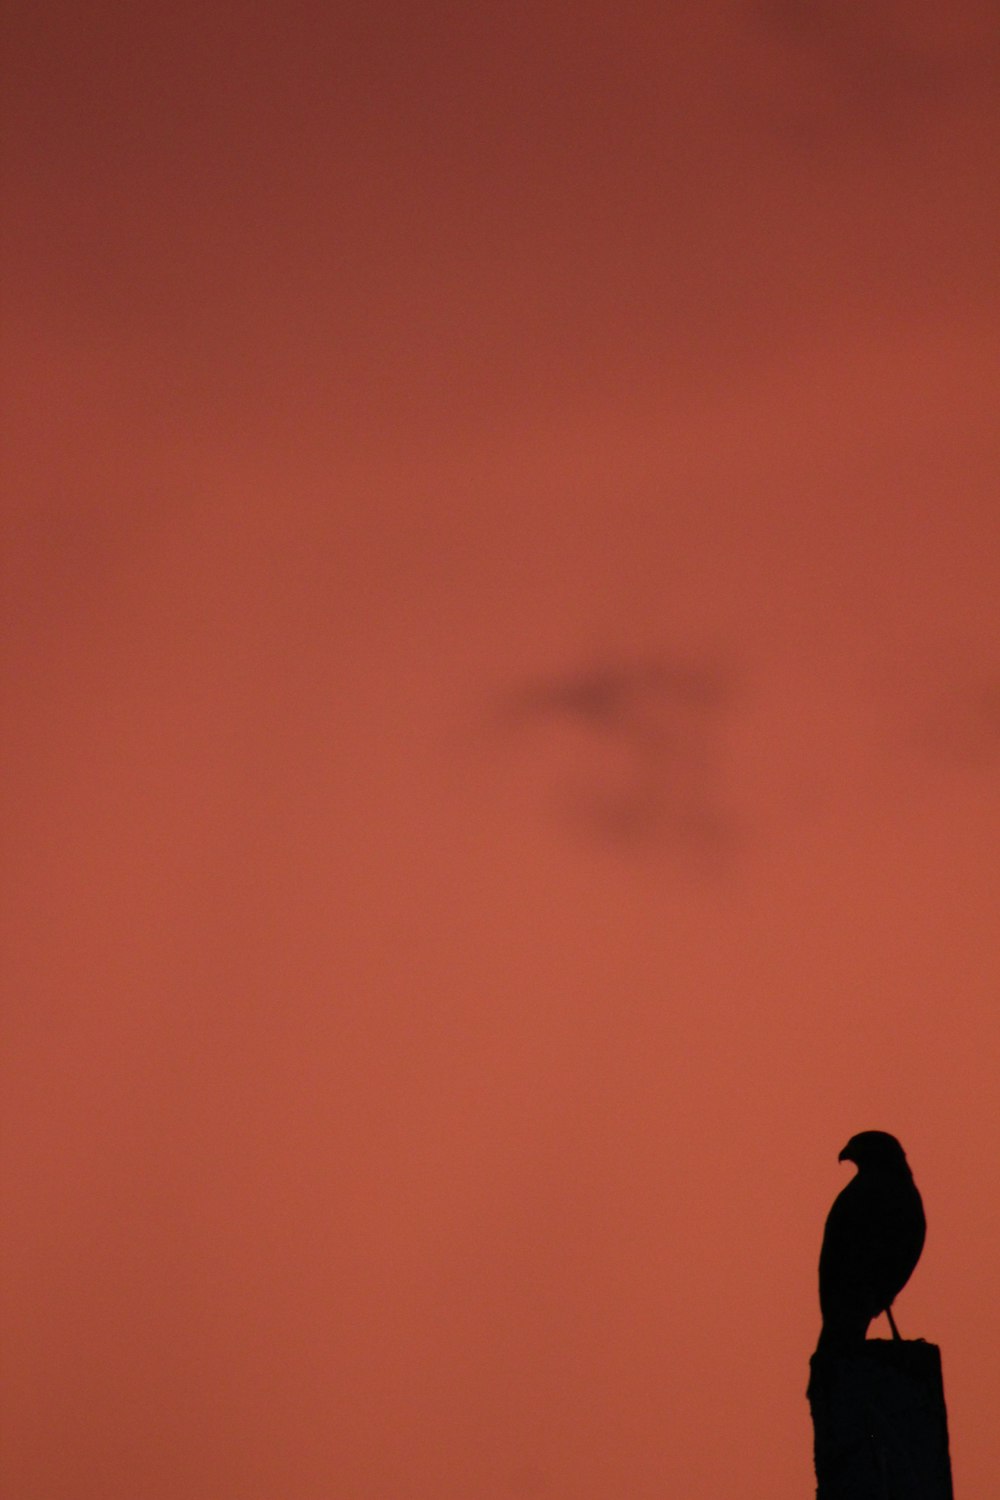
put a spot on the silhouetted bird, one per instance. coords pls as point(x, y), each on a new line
point(873, 1239)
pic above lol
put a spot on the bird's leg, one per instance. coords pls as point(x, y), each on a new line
point(892, 1324)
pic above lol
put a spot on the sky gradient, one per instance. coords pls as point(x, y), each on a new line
point(502, 746)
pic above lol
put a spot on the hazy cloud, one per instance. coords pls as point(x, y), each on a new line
point(630, 750)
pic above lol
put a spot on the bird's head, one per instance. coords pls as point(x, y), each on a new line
point(873, 1148)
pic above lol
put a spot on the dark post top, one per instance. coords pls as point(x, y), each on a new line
point(880, 1423)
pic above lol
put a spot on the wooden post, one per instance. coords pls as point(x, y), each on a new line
point(879, 1422)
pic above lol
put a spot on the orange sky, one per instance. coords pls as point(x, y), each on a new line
point(502, 773)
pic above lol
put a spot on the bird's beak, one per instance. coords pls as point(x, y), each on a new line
point(845, 1155)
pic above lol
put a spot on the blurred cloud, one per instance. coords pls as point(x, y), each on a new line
point(630, 750)
point(887, 46)
point(872, 73)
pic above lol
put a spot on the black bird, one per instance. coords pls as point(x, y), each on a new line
point(872, 1242)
